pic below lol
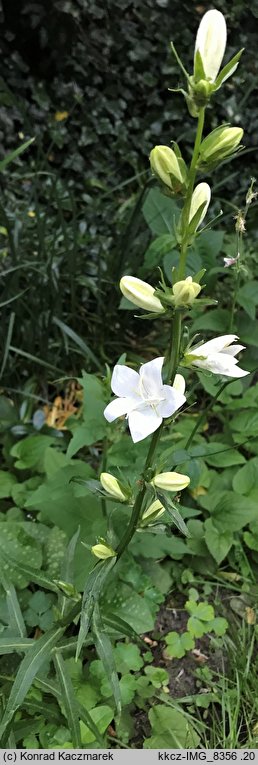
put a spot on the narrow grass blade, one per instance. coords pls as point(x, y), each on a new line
point(36, 360)
point(47, 686)
point(86, 351)
point(15, 297)
point(10, 157)
point(13, 645)
point(28, 668)
point(90, 596)
point(8, 342)
point(49, 711)
point(31, 574)
point(105, 653)
point(16, 620)
point(68, 700)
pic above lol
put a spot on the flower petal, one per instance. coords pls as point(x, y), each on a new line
point(124, 381)
point(216, 345)
point(232, 350)
point(221, 364)
point(179, 383)
point(172, 401)
point(150, 378)
point(142, 423)
point(116, 408)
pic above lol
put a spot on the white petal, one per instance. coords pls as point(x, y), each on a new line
point(211, 42)
point(179, 383)
point(221, 364)
point(124, 381)
point(115, 409)
point(150, 378)
point(232, 350)
point(142, 423)
point(216, 345)
point(173, 401)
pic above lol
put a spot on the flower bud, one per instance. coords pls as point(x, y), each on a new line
point(179, 383)
point(222, 142)
point(170, 481)
point(103, 551)
point(168, 168)
point(113, 487)
point(155, 510)
point(201, 195)
point(185, 291)
point(140, 293)
point(211, 42)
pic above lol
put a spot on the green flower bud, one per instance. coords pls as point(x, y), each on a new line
point(185, 291)
point(222, 142)
point(141, 294)
point(113, 487)
point(169, 168)
point(155, 510)
point(103, 551)
point(170, 481)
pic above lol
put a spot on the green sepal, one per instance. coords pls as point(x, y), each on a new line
point(199, 73)
point(226, 71)
point(192, 226)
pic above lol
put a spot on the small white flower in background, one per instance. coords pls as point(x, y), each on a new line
point(201, 194)
point(230, 261)
point(170, 481)
point(140, 293)
point(143, 398)
point(217, 356)
point(211, 41)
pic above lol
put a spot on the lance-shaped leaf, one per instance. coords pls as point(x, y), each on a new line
point(28, 668)
point(68, 700)
point(105, 653)
point(90, 597)
point(174, 514)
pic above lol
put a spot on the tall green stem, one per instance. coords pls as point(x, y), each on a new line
point(174, 344)
point(187, 205)
point(172, 367)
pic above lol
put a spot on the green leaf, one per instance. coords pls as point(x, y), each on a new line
point(105, 652)
point(102, 716)
point(201, 616)
point(11, 645)
point(68, 700)
point(30, 451)
point(233, 512)
point(219, 625)
point(16, 621)
point(14, 541)
point(160, 212)
point(28, 668)
point(227, 70)
point(246, 479)
point(247, 297)
point(93, 427)
point(28, 573)
point(157, 249)
point(177, 645)
point(7, 481)
point(171, 729)
point(174, 514)
point(91, 594)
point(114, 622)
point(128, 657)
point(218, 542)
